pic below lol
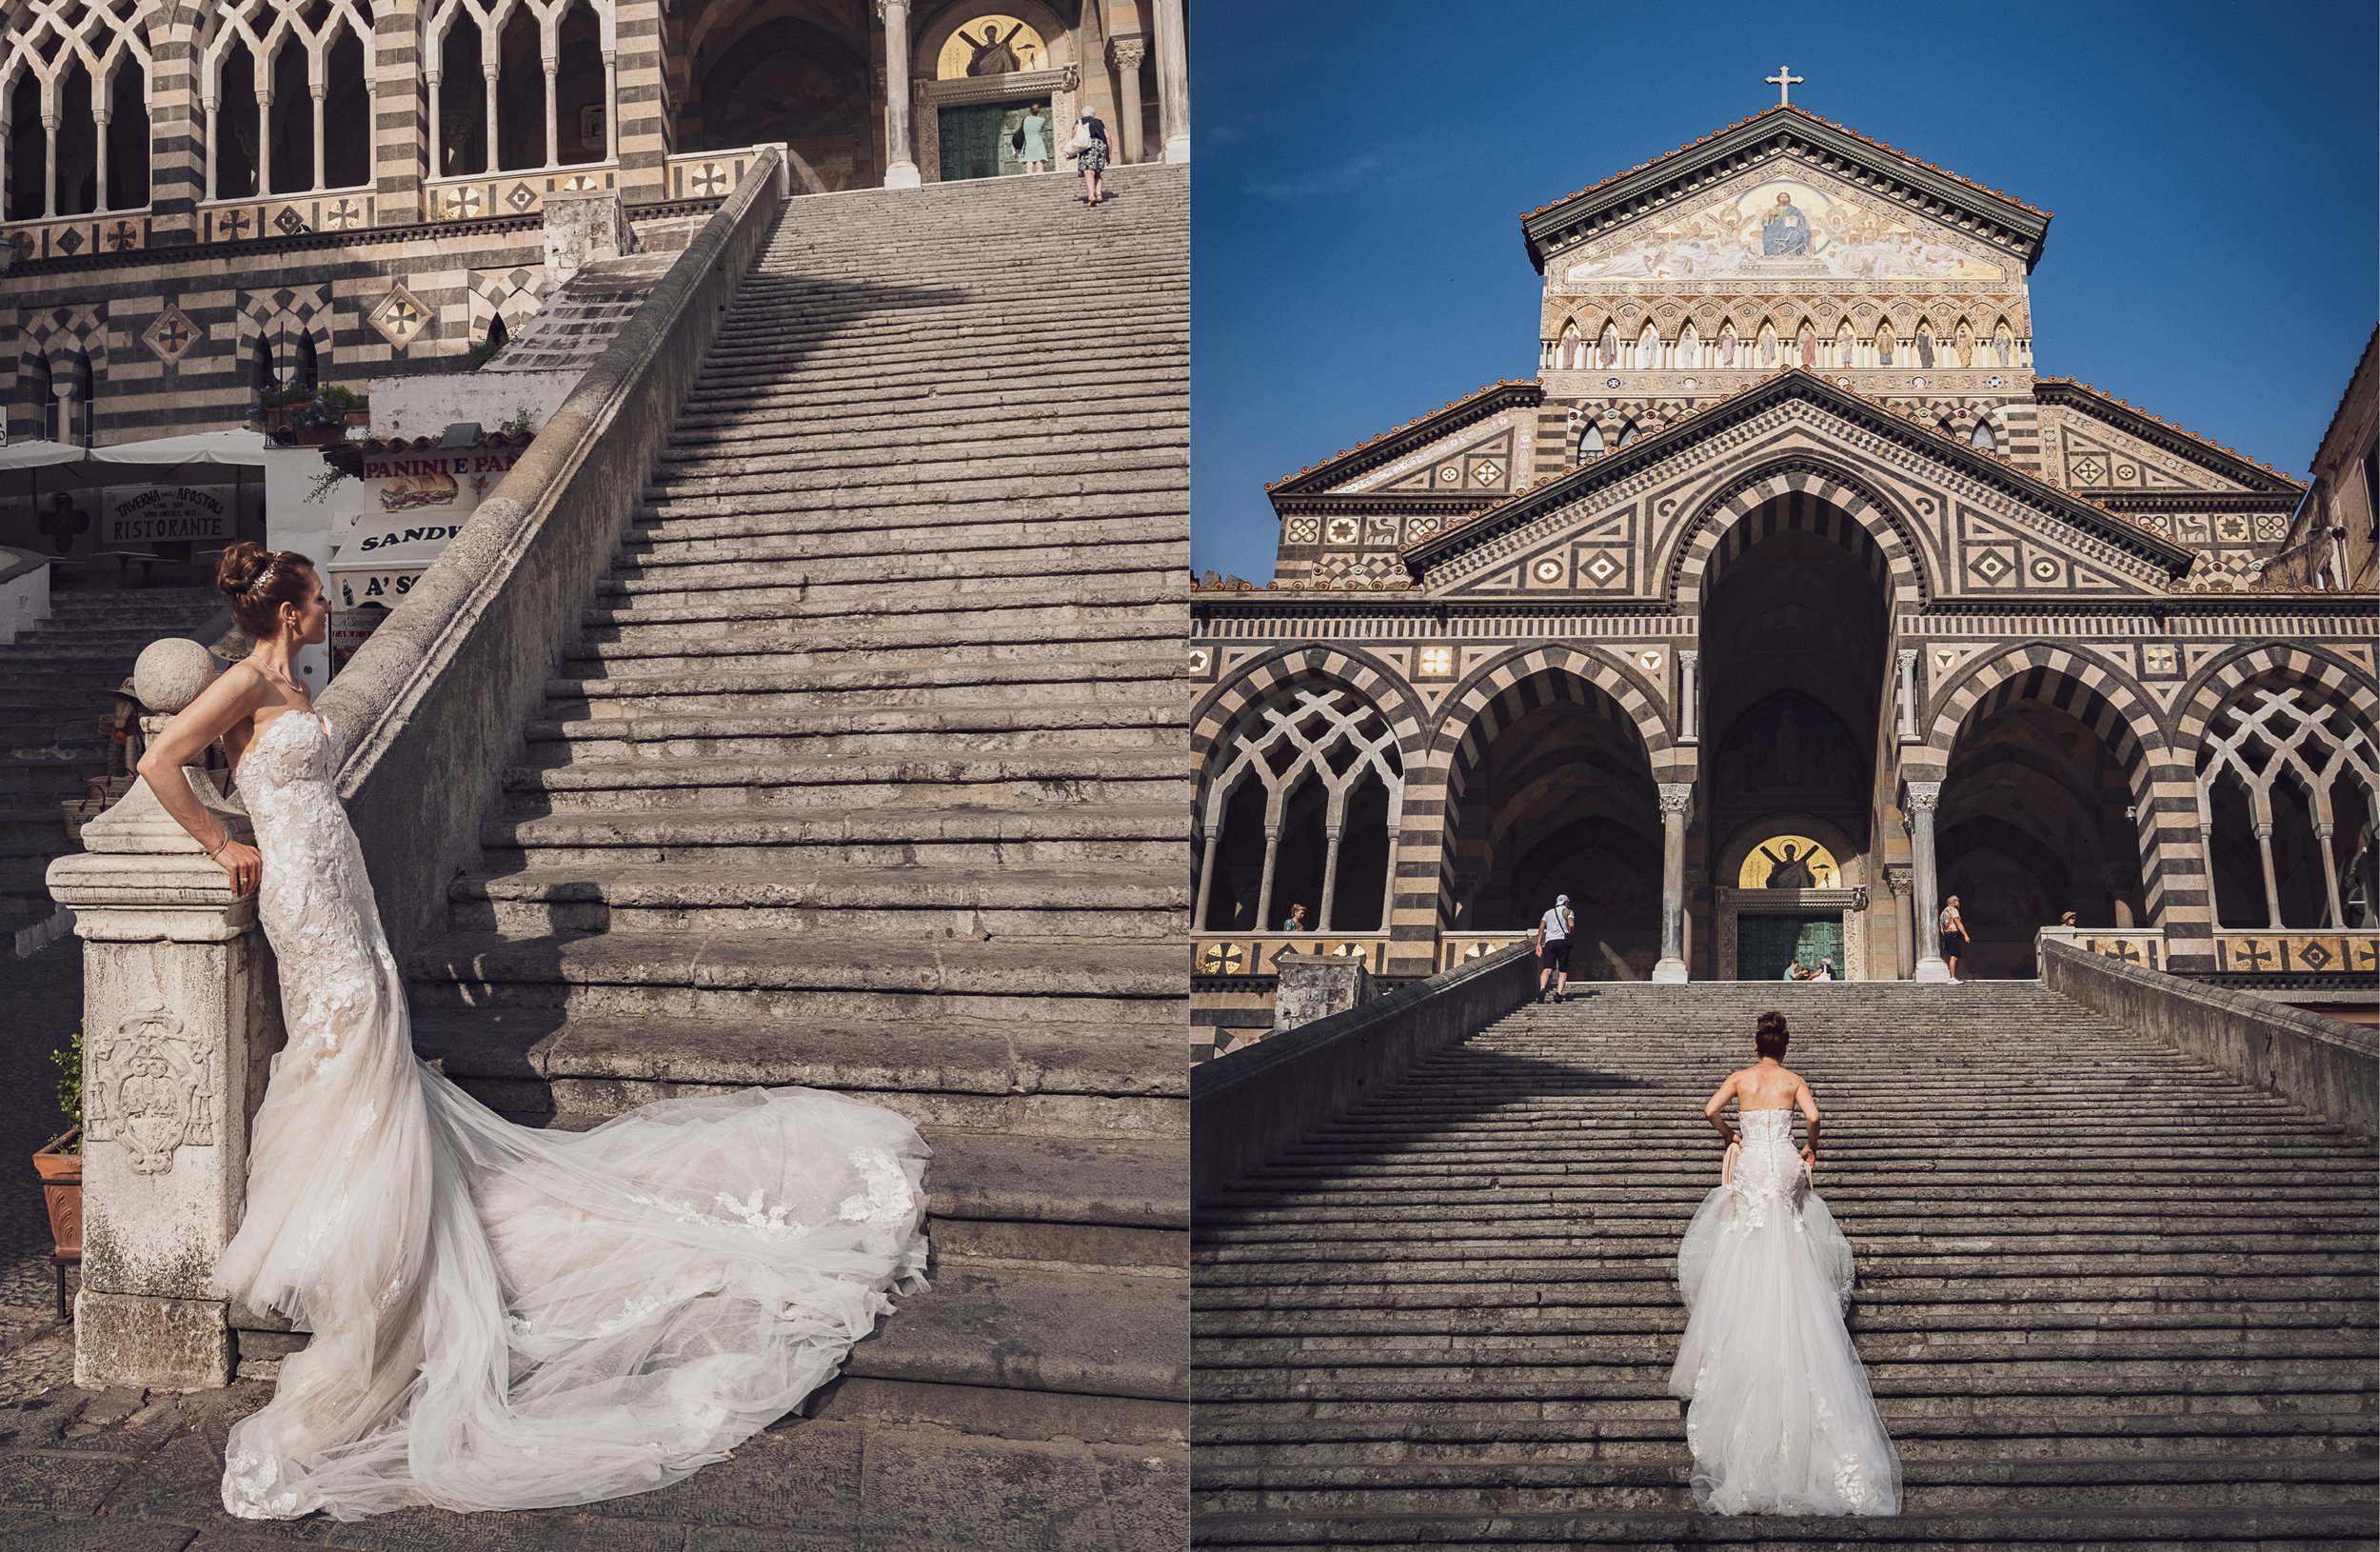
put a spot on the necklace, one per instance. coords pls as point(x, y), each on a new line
point(269, 670)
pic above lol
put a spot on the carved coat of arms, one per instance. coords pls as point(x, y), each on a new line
point(150, 1087)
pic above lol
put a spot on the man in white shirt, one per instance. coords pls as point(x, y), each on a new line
point(1554, 930)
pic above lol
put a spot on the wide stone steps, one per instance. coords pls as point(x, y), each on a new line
point(2098, 1281)
point(866, 775)
point(949, 903)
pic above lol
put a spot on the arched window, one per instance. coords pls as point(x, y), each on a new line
point(1981, 436)
point(1627, 434)
point(285, 88)
point(2287, 787)
point(1300, 812)
point(1590, 440)
point(83, 68)
point(41, 403)
point(521, 84)
point(309, 367)
point(82, 404)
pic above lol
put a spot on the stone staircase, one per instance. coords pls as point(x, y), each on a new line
point(2109, 1297)
point(867, 774)
point(57, 680)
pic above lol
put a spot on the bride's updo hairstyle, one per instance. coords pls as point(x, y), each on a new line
point(258, 581)
point(1769, 1037)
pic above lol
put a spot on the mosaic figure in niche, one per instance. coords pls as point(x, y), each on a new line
point(993, 55)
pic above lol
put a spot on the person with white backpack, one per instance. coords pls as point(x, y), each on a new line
point(1554, 930)
point(1089, 150)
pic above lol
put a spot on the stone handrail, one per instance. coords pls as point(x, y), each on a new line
point(431, 706)
point(1245, 1107)
point(2329, 1067)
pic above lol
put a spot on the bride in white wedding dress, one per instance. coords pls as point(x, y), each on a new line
point(1779, 1417)
point(502, 1317)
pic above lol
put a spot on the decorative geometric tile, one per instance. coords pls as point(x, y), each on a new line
point(1487, 471)
point(1384, 527)
point(2046, 568)
point(2159, 658)
point(1341, 530)
point(461, 205)
point(1449, 474)
point(1649, 660)
point(69, 240)
point(1201, 660)
point(1438, 662)
point(400, 317)
point(235, 224)
point(1603, 567)
point(1302, 530)
point(2232, 528)
point(122, 235)
point(1420, 528)
point(344, 215)
point(290, 221)
point(709, 180)
point(2271, 527)
point(578, 183)
point(170, 334)
point(1548, 571)
point(522, 197)
point(1992, 566)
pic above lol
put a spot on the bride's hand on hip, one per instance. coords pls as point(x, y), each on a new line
point(244, 864)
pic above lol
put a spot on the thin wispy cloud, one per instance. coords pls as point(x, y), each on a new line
point(1324, 182)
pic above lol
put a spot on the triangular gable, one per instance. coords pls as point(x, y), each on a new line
point(1464, 433)
point(1984, 526)
point(1678, 184)
point(2096, 443)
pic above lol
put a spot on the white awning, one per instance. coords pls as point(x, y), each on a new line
point(379, 560)
point(236, 446)
point(40, 454)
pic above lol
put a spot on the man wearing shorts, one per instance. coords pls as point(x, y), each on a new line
point(1554, 948)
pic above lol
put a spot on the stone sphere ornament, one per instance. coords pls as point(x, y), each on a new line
point(171, 673)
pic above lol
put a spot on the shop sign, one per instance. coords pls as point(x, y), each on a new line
point(433, 481)
point(163, 515)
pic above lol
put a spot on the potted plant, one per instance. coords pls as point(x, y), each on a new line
point(59, 1162)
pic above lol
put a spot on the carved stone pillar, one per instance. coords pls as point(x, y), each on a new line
point(1264, 888)
point(1904, 955)
point(1907, 660)
point(2323, 833)
point(900, 169)
point(179, 1017)
point(2272, 880)
point(1676, 797)
point(1126, 54)
point(1173, 80)
point(1214, 836)
point(1330, 877)
point(1922, 799)
point(1688, 695)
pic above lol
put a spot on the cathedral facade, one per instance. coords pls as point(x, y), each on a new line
point(1784, 603)
point(204, 206)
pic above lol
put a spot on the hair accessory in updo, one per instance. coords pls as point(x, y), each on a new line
point(258, 581)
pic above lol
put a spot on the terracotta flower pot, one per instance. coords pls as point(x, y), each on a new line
point(62, 1185)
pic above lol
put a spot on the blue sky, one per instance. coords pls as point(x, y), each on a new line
point(1360, 169)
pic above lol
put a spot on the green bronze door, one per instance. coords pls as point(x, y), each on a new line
point(1765, 944)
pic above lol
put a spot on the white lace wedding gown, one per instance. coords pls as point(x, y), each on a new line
point(1779, 1417)
point(509, 1318)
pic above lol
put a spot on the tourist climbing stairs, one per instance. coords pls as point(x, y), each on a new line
point(58, 684)
point(867, 774)
point(2109, 1295)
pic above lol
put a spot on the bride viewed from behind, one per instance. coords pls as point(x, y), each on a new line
point(1778, 1414)
point(502, 1317)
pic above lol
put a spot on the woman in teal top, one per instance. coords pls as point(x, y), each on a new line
point(1034, 154)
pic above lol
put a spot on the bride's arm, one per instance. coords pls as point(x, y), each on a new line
point(1810, 1116)
point(1717, 1103)
point(233, 697)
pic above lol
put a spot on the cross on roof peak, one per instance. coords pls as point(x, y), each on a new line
point(1784, 80)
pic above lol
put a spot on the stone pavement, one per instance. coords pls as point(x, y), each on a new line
point(124, 1471)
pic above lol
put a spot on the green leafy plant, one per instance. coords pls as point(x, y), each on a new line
point(484, 351)
point(332, 395)
point(523, 424)
point(68, 1060)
